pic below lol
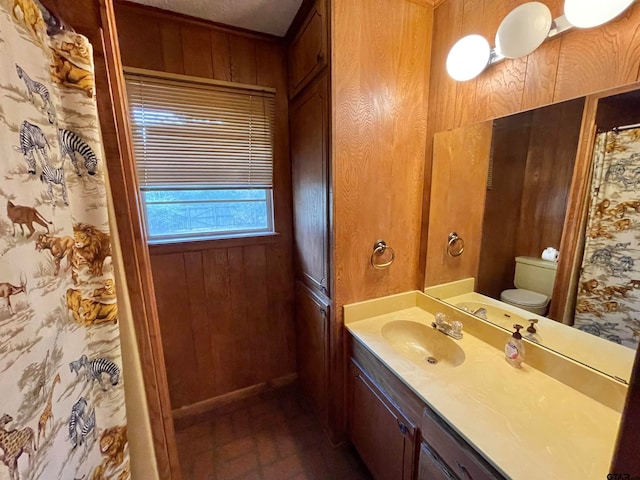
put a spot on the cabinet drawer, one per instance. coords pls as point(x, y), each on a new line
point(461, 459)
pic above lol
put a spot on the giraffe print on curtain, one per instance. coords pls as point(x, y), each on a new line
point(62, 410)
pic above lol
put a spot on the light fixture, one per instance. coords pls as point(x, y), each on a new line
point(468, 57)
point(523, 30)
point(591, 13)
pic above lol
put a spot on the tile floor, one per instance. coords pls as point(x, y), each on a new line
point(273, 437)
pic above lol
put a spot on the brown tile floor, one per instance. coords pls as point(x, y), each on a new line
point(273, 437)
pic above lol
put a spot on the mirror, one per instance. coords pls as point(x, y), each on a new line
point(528, 162)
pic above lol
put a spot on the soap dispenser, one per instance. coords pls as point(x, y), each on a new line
point(514, 349)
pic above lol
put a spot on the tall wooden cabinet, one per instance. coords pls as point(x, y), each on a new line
point(309, 131)
point(310, 178)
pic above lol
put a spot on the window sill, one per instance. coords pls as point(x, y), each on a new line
point(175, 246)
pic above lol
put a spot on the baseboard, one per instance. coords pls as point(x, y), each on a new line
point(212, 405)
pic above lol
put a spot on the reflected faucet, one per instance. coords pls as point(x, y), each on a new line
point(445, 325)
point(480, 312)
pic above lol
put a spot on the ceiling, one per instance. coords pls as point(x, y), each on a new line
point(267, 16)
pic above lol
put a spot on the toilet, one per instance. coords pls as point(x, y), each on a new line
point(534, 279)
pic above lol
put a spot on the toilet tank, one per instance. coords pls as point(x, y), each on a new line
point(535, 274)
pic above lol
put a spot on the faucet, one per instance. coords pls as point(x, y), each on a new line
point(444, 324)
point(480, 312)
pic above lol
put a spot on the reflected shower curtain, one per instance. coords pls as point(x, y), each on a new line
point(62, 411)
point(608, 301)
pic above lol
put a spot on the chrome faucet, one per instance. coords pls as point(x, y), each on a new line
point(444, 324)
point(480, 312)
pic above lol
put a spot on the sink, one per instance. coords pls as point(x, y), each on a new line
point(422, 344)
point(497, 315)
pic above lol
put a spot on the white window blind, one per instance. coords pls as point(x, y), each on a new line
point(193, 135)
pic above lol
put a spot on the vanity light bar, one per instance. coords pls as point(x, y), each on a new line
point(584, 14)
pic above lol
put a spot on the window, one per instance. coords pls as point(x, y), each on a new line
point(204, 156)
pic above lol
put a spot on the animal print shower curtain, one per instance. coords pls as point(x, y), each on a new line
point(62, 410)
point(608, 301)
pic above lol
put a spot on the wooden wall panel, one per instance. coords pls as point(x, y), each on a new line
point(377, 136)
point(226, 306)
point(458, 196)
point(510, 143)
point(533, 158)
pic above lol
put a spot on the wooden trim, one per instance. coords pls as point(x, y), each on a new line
point(212, 404)
point(188, 19)
point(136, 255)
point(192, 79)
point(562, 303)
point(625, 457)
point(199, 245)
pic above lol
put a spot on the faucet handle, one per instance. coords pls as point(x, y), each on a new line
point(456, 326)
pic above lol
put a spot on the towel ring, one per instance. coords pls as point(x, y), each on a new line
point(453, 251)
point(378, 250)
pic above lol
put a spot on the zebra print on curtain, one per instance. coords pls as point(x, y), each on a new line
point(62, 410)
point(608, 301)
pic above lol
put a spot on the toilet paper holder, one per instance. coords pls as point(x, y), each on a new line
point(454, 240)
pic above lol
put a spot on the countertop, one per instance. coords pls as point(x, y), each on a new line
point(525, 422)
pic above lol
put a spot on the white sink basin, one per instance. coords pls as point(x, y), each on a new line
point(497, 315)
point(422, 344)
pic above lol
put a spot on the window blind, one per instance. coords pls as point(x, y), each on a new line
point(192, 135)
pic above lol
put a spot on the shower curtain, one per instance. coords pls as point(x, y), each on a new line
point(608, 301)
point(62, 410)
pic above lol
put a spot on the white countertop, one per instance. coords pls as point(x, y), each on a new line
point(526, 423)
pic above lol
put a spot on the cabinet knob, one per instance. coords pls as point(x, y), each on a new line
point(464, 470)
point(403, 428)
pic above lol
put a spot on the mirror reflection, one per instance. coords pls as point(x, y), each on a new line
point(520, 275)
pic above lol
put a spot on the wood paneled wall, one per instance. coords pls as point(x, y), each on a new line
point(226, 306)
point(533, 156)
point(573, 64)
point(379, 80)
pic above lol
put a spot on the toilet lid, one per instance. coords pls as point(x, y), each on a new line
point(527, 298)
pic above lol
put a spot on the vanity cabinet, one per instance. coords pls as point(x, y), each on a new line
point(383, 415)
point(308, 49)
point(461, 459)
point(381, 433)
point(312, 333)
point(430, 467)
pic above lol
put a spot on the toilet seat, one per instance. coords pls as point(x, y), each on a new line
point(524, 298)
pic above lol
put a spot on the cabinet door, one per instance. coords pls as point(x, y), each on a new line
point(382, 435)
point(312, 329)
point(309, 133)
point(308, 50)
point(430, 468)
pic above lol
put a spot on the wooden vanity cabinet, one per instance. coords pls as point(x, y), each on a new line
point(383, 413)
point(381, 433)
point(462, 460)
point(309, 47)
point(430, 467)
point(312, 336)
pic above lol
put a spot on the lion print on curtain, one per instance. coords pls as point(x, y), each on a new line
point(62, 409)
point(608, 302)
